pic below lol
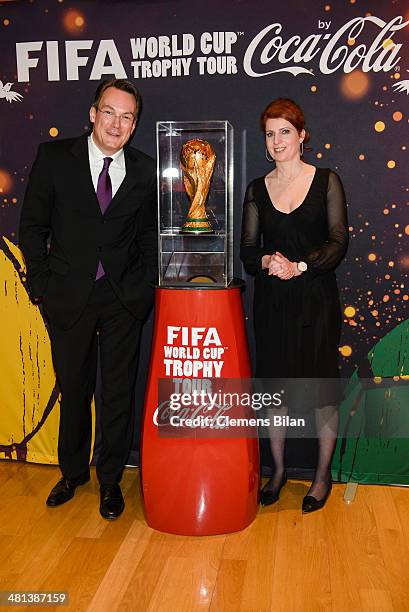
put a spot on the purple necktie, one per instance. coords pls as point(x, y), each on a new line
point(104, 195)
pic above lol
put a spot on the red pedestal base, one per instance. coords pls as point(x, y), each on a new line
point(198, 485)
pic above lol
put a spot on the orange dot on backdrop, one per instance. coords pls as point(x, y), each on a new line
point(388, 42)
point(6, 181)
point(355, 85)
point(74, 21)
point(350, 311)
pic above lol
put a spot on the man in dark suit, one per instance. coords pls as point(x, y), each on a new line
point(88, 233)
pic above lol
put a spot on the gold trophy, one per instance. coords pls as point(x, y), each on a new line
point(197, 160)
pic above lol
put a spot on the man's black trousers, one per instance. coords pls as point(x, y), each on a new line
point(105, 324)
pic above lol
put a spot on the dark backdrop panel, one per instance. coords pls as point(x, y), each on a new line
point(358, 119)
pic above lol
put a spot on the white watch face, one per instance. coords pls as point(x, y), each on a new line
point(302, 266)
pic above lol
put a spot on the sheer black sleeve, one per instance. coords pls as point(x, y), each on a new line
point(329, 255)
point(251, 250)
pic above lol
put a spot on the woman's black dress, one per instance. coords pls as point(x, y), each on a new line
point(297, 321)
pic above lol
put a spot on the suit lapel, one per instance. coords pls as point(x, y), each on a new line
point(83, 176)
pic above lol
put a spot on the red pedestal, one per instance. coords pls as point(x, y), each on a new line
point(198, 485)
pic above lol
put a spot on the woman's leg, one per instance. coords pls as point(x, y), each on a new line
point(326, 419)
point(277, 436)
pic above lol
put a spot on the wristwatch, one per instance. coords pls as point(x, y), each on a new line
point(302, 266)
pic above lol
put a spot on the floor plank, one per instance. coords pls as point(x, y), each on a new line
point(344, 558)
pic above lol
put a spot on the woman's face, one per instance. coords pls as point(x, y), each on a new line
point(283, 140)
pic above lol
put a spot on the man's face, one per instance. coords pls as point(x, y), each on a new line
point(114, 120)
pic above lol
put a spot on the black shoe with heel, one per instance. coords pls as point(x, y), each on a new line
point(270, 496)
point(311, 504)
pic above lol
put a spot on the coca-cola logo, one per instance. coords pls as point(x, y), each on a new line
point(269, 48)
point(167, 417)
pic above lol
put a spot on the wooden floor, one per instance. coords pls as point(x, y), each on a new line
point(344, 558)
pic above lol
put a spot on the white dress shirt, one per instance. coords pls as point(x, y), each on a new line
point(117, 169)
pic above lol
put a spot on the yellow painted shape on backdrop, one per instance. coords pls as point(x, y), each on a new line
point(26, 371)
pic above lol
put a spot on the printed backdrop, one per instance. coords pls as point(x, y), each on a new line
point(345, 62)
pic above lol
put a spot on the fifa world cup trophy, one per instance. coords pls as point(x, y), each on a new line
point(197, 160)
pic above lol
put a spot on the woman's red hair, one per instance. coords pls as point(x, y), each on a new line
point(284, 108)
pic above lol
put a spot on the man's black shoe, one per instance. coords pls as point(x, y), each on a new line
point(112, 503)
point(65, 488)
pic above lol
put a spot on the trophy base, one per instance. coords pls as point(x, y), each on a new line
point(216, 482)
point(201, 279)
point(197, 226)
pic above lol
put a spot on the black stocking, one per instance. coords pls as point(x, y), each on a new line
point(326, 419)
point(277, 445)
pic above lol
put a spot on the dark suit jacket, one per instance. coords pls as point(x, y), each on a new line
point(60, 206)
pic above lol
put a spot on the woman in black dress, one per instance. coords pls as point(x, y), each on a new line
point(294, 235)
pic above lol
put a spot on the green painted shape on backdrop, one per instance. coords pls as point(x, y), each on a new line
point(376, 449)
point(390, 356)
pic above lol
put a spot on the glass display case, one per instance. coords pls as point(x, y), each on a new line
point(195, 190)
